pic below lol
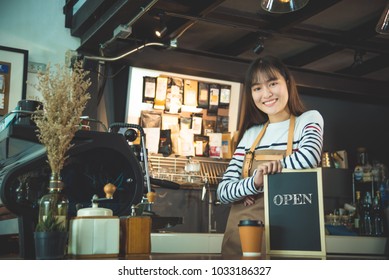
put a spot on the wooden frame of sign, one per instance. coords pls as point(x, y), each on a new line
point(294, 213)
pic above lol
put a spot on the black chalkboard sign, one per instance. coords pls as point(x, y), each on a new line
point(294, 214)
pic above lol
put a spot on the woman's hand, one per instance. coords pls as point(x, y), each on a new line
point(270, 167)
point(248, 200)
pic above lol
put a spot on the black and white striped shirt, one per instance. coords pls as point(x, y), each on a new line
point(307, 149)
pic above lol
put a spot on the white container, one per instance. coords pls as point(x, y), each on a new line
point(94, 232)
point(186, 243)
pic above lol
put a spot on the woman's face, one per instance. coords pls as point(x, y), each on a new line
point(270, 95)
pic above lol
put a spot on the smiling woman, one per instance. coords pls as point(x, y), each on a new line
point(276, 132)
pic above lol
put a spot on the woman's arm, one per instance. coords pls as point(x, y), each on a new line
point(232, 187)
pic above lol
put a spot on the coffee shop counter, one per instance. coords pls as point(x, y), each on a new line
point(193, 256)
point(207, 246)
point(208, 256)
point(173, 244)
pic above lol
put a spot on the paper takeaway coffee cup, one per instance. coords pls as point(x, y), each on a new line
point(251, 232)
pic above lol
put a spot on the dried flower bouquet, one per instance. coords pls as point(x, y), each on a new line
point(65, 96)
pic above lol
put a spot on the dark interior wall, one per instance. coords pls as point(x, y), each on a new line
point(349, 125)
point(120, 76)
point(90, 109)
point(109, 89)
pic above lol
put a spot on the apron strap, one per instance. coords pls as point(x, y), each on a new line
point(259, 137)
point(289, 147)
point(248, 159)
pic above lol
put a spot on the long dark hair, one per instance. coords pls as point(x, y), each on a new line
point(268, 67)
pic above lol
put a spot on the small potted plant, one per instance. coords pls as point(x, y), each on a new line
point(50, 238)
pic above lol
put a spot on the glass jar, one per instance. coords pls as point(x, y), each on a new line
point(53, 207)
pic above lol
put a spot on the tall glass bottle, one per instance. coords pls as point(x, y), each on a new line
point(358, 215)
point(378, 217)
point(367, 228)
point(384, 195)
point(363, 169)
point(53, 207)
point(358, 169)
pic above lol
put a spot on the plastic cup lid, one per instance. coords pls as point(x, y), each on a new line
point(250, 223)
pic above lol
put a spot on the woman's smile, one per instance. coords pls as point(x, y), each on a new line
point(270, 102)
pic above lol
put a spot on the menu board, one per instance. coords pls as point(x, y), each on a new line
point(294, 213)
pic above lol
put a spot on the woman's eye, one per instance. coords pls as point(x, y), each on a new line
point(256, 88)
point(272, 84)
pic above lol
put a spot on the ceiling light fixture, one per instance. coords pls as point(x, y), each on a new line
point(383, 24)
point(162, 28)
point(161, 31)
point(260, 46)
point(358, 58)
point(283, 6)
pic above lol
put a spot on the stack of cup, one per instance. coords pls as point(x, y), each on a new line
point(251, 232)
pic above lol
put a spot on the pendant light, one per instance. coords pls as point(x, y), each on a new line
point(283, 6)
point(161, 30)
point(260, 46)
point(383, 24)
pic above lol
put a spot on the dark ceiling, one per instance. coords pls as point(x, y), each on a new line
point(331, 46)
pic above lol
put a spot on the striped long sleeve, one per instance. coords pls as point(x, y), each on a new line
point(307, 148)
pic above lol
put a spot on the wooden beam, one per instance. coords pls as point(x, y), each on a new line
point(87, 15)
point(68, 12)
point(366, 67)
point(195, 63)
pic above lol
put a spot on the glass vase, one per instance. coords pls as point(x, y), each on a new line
point(53, 207)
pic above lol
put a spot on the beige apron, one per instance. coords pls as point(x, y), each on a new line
point(231, 241)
